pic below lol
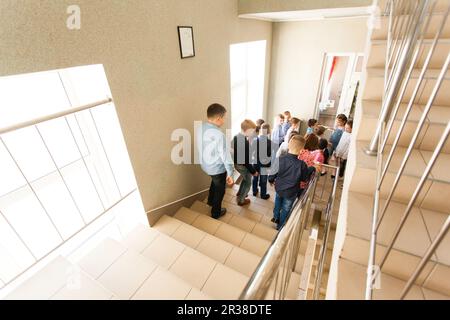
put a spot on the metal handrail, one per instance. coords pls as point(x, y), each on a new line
point(285, 247)
point(409, 54)
point(396, 76)
point(259, 284)
point(53, 116)
point(328, 220)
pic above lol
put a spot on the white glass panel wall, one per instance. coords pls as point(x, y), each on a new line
point(57, 176)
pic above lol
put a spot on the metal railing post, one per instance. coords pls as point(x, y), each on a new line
point(398, 74)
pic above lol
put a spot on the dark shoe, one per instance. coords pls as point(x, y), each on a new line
point(246, 202)
point(255, 193)
point(223, 212)
point(266, 197)
point(276, 221)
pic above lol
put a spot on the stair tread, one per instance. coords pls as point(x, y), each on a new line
point(381, 33)
point(45, 283)
point(437, 115)
point(415, 236)
point(137, 269)
point(416, 164)
point(149, 273)
point(352, 281)
point(237, 258)
point(444, 40)
point(239, 221)
point(431, 73)
point(83, 288)
point(250, 248)
point(401, 265)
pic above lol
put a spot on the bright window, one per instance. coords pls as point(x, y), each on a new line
point(59, 175)
point(247, 63)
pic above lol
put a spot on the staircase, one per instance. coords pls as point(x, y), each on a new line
point(185, 256)
point(432, 207)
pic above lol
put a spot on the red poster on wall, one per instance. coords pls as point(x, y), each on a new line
point(333, 67)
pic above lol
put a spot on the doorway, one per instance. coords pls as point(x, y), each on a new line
point(247, 68)
point(341, 76)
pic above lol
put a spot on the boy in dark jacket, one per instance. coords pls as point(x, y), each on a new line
point(242, 160)
point(291, 172)
point(263, 151)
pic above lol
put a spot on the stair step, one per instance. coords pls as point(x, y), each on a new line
point(238, 221)
point(83, 288)
point(352, 281)
point(126, 274)
point(59, 280)
point(381, 33)
point(375, 86)
point(228, 233)
point(435, 193)
point(377, 57)
point(251, 215)
point(163, 285)
point(415, 237)
point(431, 132)
point(217, 249)
point(98, 260)
point(420, 228)
point(166, 269)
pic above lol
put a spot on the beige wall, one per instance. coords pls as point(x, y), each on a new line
point(137, 42)
point(297, 58)
point(259, 6)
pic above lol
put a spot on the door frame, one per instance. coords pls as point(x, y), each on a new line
point(353, 60)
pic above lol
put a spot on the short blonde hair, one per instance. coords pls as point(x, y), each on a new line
point(247, 125)
point(296, 144)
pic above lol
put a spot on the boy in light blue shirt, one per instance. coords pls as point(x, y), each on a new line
point(215, 158)
point(341, 121)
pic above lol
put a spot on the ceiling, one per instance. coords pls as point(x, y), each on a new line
point(306, 15)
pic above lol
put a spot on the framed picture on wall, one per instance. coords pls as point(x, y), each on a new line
point(186, 39)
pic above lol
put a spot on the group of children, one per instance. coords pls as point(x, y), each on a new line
point(280, 156)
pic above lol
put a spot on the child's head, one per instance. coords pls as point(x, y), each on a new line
point(216, 114)
point(312, 142)
point(319, 131)
point(260, 122)
point(295, 123)
point(287, 116)
point(296, 144)
point(312, 123)
point(323, 144)
point(341, 120)
point(349, 126)
point(280, 119)
point(292, 134)
point(248, 128)
point(265, 129)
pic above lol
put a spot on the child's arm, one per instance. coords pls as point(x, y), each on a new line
point(225, 156)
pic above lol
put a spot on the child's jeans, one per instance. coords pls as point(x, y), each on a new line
point(282, 210)
point(262, 182)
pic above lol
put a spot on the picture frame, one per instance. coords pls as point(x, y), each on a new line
point(186, 41)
